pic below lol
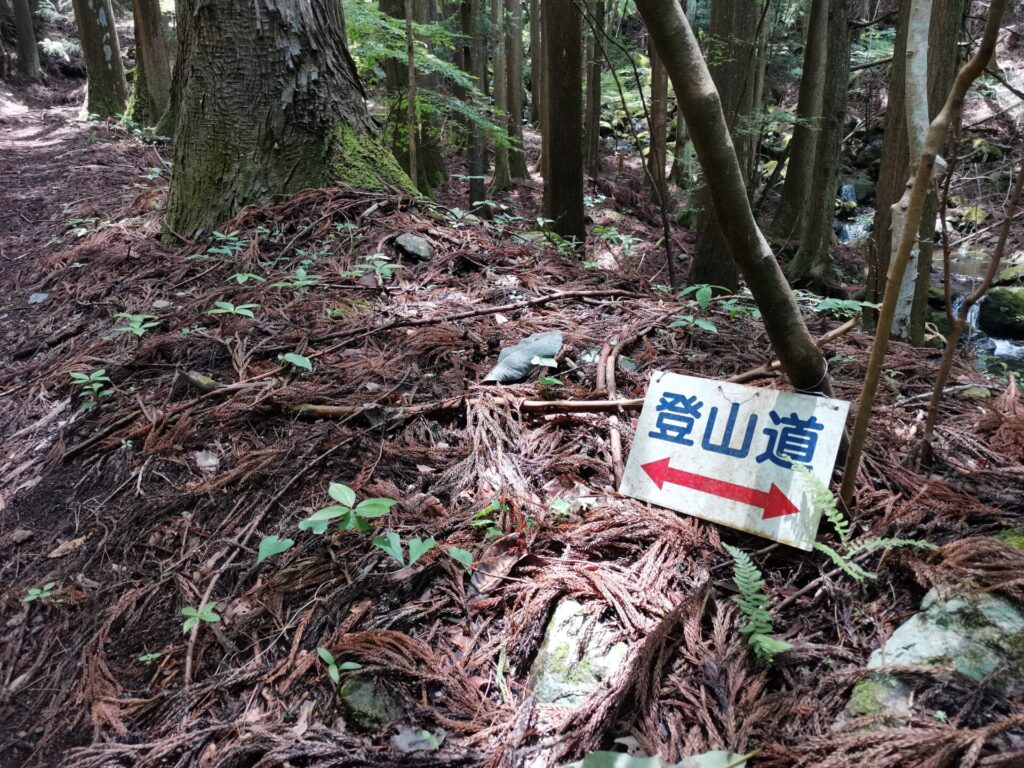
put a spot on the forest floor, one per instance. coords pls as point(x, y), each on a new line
point(157, 499)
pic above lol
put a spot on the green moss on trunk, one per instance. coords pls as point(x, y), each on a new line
point(361, 160)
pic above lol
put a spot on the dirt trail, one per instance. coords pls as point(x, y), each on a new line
point(156, 499)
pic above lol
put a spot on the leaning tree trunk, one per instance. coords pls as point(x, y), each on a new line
point(563, 119)
point(28, 52)
point(812, 266)
point(734, 23)
point(151, 53)
point(270, 105)
point(106, 91)
point(514, 66)
point(894, 170)
point(808, 112)
point(701, 106)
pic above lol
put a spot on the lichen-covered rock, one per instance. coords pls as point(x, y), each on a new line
point(367, 704)
point(579, 652)
point(879, 694)
point(1012, 275)
point(1001, 314)
point(974, 634)
point(414, 247)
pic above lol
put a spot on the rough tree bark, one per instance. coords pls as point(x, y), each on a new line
point(270, 105)
point(151, 53)
point(808, 112)
point(536, 62)
point(106, 92)
point(474, 63)
point(502, 178)
point(514, 61)
point(28, 52)
point(701, 106)
point(563, 122)
point(944, 30)
point(592, 121)
point(655, 178)
point(732, 31)
point(812, 266)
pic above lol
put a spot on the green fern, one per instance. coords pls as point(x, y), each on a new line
point(822, 498)
point(849, 567)
point(869, 545)
point(753, 605)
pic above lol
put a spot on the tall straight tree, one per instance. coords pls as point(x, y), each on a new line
point(106, 92)
point(28, 52)
point(655, 177)
point(732, 32)
point(514, 65)
point(473, 60)
point(502, 178)
point(895, 168)
point(270, 104)
point(536, 62)
point(152, 53)
point(592, 120)
point(563, 120)
point(812, 266)
point(808, 113)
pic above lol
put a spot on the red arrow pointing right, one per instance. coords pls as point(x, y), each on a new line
point(774, 502)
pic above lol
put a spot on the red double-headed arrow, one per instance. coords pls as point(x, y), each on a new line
point(773, 501)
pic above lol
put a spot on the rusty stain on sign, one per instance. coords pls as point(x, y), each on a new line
point(726, 453)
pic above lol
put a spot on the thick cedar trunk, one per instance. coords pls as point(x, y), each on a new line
point(28, 53)
point(151, 53)
point(475, 65)
point(502, 178)
point(946, 22)
point(184, 11)
point(702, 108)
point(514, 67)
point(808, 112)
point(536, 62)
point(106, 92)
point(270, 104)
point(563, 127)
point(592, 123)
point(812, 266)
point(734, 25)
point(140, 110)
point(655, 177)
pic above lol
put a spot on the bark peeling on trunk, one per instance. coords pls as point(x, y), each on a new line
point(270, 104)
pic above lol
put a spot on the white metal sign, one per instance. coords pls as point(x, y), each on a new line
point(725, 453)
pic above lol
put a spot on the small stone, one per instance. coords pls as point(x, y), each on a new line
point(367, 704)
point(577, 655)
point(38, 298)
point(414, 247)
point(161, 304)
point(21, 535)
point(974, 393)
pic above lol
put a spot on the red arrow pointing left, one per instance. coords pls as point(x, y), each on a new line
point(773, 501)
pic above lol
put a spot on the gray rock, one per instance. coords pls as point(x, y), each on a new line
point(414, 247)
point(21, 535)
point(975, 634)
point(578, 654)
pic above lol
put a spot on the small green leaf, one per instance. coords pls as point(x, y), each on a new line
point(550, 381)
point(342, 494)
point(208, 612)
point(391, 543)
point(370, 508)
point(299, 361)
point(318, 521)
point(419, 547)
point(324, 654)
point(548, 362)
point(560, 507)
point(272, 545)
point(463, 556)
point(349, 666)
point(149, 658)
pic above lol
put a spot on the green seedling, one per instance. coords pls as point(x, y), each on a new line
point(351, 516)
point(43, 594)
point(92, 387)
point(227, 308)
point(137, 325)
point(206, 612)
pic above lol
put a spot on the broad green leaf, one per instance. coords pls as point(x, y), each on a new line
point(317, 522)
point(560, 507)
point(342, 494)
point(391, 543)
point(370, 508)
point(419, 547)
point(209, 613)
point(463, 556)
point(299, 361)
point(272, 545)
